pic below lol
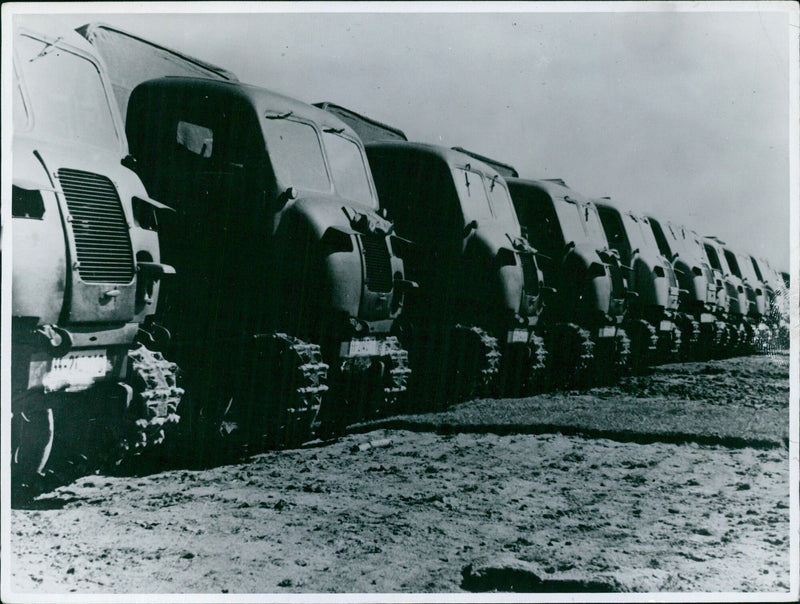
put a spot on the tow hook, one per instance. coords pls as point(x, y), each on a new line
point(57, 338)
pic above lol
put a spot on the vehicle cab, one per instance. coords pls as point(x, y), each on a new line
point(734, 296)
point(86, 263)
point(742, 266)
point(565, 229)
point(86, 266)
point(698, 290)
point(245, 168)
point(470, 257)
point(650, 277)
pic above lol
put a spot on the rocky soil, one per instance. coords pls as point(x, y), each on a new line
point(676, 481)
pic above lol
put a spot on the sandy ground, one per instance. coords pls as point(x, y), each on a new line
point(426, 511)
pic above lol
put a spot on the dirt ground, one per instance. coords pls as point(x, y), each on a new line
point(451, 503)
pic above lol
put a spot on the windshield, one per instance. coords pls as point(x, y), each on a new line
point(570, 219)
point(648, 236)
point(474, 202)
point(349, 169)
point(594, 228)
point(502, 208)
point(635, 233)
point(732, 263)
point(296, 155)
point(67, 96)
point(746, 266)
point(757, 269)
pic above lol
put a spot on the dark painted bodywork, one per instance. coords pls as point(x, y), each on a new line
point(573, 252)
point(469, 259)
point(264, 242)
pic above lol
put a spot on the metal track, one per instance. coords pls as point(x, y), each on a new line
point(301, 387)
point(156, 397)
point(480, 377)
point(538, 362)
point(623, 351)
point(396, 378)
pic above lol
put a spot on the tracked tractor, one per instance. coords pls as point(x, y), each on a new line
point(289, 285)
point(478, 298)
point(742, 266)
point(650, 322)
point(88, 390)
point(777, 316)
point(583, 325)
point(732, 299)
point(702, 332)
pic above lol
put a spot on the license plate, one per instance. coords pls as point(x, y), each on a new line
point(607, 332)
point(365, 347)
point(74, 371)
point(665, 326)
point(516, 336)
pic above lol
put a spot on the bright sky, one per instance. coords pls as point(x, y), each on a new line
point(681, 114)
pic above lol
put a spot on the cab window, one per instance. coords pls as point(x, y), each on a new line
point(196, 139)
point(615, 232)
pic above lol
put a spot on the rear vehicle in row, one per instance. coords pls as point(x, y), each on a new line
point(583, 324)
point(651, 319)
point(777, 293)
point(87, 387)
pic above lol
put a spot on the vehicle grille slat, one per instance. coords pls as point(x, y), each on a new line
point(377, 263)
point(99, 227)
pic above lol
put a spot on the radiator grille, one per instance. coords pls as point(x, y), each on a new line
point(98, 223)
point(378, 263)
point(529, 274)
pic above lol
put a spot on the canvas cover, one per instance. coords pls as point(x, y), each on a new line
point(131, 60)
point(505, 170)
point(368, 130)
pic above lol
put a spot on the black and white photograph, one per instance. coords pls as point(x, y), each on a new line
point(382, 302)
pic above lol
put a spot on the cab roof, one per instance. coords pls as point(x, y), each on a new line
point(451, 157)
point(263, 101)
point(552, 187)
